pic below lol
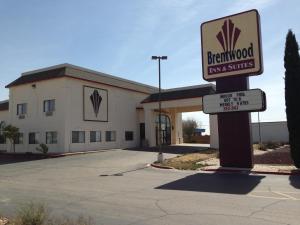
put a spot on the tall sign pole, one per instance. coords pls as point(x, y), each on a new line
point(231, 52)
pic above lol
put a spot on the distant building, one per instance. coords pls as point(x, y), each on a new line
point(199, 132)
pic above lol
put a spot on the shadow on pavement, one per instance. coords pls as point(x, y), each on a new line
point(17, 158)
point(295, 181)
point(215, 183)
point(172, 149)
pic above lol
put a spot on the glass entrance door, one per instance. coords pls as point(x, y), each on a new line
point(165, 130)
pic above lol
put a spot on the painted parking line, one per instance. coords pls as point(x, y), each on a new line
point(285, 195)
point(274, 195)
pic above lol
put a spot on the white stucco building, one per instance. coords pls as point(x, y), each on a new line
point(70, 108)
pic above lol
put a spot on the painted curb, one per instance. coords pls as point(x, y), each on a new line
point(161, 167)
point(294, 172)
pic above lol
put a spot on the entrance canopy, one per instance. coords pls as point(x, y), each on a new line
point(185, 99)
point(173, 103)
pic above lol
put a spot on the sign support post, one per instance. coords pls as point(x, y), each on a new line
point(235, 144)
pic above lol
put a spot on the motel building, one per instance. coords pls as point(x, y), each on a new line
point(71, 109)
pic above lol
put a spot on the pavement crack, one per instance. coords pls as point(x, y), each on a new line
point(124, 172)
point(160, 208)
point(263, 208)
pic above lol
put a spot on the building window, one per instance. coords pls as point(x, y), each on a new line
point(21, 109)
point(51, 137)
point(110, 135)
point(33, 138)
point(128, 135)
point(2, 139)
point(95, 136)
point(49, 105)
point(19, 138)
point(78, 136)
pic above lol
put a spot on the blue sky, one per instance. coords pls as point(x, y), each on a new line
point(119, 37)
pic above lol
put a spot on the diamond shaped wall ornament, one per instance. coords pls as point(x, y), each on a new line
point(96, 101)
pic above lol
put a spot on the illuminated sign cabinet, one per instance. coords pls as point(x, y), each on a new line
point(231, 46)
point(252, 100)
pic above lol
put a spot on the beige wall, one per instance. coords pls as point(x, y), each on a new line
point(4, 117)
point(35, 120)
point(68, 115)
point(122, 116)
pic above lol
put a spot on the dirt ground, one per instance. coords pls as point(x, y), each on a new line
point(3, 221)
point(279, 158)
point(189, 161)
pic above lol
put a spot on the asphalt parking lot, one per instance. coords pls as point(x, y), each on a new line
point(116, 187)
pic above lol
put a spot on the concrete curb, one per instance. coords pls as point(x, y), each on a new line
point(292, 172)
point(161, 167)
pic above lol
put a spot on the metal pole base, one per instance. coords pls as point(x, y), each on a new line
point(160, 157)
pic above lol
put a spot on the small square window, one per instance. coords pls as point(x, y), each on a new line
point(2, 139)
point(95, 136)
point(49, 105)
point(19, 138)
point(21, 109)
point(78, 136)
point(129, 135)
point(110, 136)
point(33, 138)
point(51, 137)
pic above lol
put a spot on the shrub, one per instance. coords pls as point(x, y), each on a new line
point(268, 145)
point(292, 85)
point(81, 220)
point(43, 148)
point(38, 214)
point(31, 214)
